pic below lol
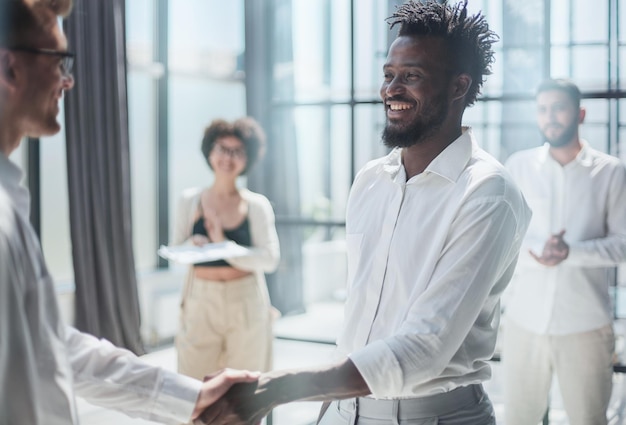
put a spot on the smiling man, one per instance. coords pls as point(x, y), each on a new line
point(559, 311)
point(43, 362)
point(433, 231)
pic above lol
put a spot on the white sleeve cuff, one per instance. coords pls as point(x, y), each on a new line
point(178, 396)
point(379, 368)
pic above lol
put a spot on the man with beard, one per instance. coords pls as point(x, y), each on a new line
point(44, 363)
point(433, 232)
point(559, 315)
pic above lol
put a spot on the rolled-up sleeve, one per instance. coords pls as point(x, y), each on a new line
point(112, 377)
point(609, 250)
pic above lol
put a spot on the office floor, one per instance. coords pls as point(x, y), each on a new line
point(319, 326)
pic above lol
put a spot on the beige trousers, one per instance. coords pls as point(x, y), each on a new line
point(224, 324)
point(583, 364)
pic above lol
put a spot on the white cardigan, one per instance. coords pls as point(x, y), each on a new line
point(265, 249)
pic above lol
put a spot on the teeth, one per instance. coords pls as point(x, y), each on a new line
point(399, 107)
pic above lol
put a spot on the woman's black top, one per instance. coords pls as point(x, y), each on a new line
point(240, 235)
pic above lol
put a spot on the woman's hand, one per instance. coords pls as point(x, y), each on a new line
point(199, 240)
point(213, 226)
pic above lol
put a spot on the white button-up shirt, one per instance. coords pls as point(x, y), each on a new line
point(587, 198)
point(428, 260)
point(43, 362)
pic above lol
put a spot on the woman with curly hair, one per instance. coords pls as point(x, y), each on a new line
point(226, 318)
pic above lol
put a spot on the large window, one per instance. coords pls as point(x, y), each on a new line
point(206, 47)
point(319, 70)
point(143, 73)
point(326, 62)
point(185, 69)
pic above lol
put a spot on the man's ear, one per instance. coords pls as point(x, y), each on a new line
point(7, 68)
point(460, 86)
point(581, 115)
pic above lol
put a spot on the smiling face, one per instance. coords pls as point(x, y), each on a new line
point(228, 156)
point(40, 81)
point(414, 90)
point(557, 117)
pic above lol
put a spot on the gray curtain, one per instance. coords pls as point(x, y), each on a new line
point(96, 114)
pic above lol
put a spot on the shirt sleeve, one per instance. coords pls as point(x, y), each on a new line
point(115, 378)
point(265, 250)
point(474, 267)
point(609, 250)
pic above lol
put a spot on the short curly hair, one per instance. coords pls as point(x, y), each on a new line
point(468, 37)
point(246, 129)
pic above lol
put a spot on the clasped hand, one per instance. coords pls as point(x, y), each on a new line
point(555, 250)
point(244, 403)
point(213, 227)
point(218, 384)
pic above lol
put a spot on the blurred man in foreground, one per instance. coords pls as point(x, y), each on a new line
point(44, 363)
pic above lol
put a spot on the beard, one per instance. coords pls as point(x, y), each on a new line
point(420, 128)
point(564, 139)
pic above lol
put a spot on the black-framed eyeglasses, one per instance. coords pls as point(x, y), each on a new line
point(236, 153)
point(67, 58)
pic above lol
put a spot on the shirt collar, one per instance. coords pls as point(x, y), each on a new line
point(449, 164)
point(584, 157)
point(10, 178)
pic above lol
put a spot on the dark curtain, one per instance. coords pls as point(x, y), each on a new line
point(96, 112)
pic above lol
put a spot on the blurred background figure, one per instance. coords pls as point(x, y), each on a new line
point(560, 316)
point(226, 316)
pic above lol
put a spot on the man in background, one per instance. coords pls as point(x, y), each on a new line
point(43, 363)
point(559, 308)
point(433, 232)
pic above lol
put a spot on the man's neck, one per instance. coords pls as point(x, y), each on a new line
point(10, 136)
point(566, 154)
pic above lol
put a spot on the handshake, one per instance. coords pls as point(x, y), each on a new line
point(235, 397)
point(232, 397)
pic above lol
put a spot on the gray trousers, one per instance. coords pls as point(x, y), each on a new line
point(463, 406)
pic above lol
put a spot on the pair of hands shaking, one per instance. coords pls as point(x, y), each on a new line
point(231, 397)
